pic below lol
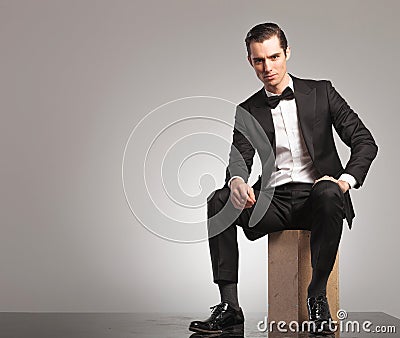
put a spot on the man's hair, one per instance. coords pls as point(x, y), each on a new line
point(265, 31)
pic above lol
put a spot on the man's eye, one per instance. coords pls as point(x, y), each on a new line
point(257, 61)
point(274, 57)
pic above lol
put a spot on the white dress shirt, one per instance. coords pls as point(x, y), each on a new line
point(293, 162)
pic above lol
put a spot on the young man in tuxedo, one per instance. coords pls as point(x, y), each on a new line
point(290, 121)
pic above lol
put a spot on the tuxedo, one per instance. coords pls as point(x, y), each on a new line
point(319, 208)
point(319, 107)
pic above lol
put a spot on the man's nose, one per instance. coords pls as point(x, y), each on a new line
point(267, 66)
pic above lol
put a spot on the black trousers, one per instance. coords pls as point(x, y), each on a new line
point(293, 206)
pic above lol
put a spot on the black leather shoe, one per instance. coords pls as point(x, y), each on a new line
point(224, 319)
point(319, 315)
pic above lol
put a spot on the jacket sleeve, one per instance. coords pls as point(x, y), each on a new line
point(242, 152)
point(354, 134)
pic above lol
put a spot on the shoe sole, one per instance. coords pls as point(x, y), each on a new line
point(238, 329)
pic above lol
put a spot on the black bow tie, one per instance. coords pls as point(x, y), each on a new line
point(273, 101)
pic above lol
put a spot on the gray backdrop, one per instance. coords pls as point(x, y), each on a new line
point(77, 77)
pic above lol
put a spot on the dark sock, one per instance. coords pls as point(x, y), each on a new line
point(229, 294)
point(318, 283)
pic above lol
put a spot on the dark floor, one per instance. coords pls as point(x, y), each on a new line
point(140, 325)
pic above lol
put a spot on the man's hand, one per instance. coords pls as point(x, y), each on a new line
point(343, 185)
point(242, 195)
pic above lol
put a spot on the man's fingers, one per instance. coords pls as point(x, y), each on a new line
point(248, 204)
point(237, 201)
point(243, 197)
point(251, 195)
point(239, 204)
point(326, 178)
point(241, 193)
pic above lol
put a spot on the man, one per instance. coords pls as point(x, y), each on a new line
point(289, 120)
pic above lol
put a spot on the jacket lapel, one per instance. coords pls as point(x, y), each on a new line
point(263, 115)
point(306, 104)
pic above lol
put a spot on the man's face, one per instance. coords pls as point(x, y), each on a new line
point(269, 61)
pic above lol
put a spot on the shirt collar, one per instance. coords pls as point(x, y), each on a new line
point(290, 85)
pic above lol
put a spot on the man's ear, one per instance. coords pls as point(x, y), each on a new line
point(287, 53)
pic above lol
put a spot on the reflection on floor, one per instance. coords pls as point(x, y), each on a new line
point(141, 325)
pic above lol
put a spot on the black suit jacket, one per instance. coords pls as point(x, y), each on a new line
point(319, 107)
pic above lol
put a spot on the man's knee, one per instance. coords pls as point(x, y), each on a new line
point(327, 194)
point(217, 199)
point(219, 217)
point(326, 189)
point(252, 235)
